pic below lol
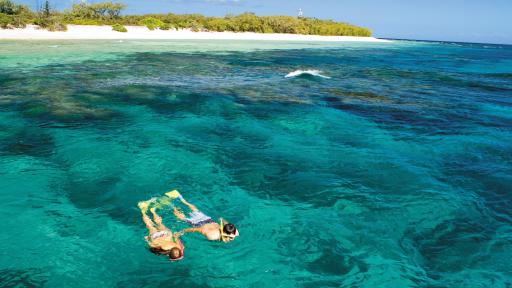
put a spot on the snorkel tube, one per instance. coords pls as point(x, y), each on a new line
point(221, 225)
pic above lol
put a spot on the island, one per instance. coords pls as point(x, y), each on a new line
point(106, 20)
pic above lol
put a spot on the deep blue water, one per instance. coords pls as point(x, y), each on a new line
point(394, 172)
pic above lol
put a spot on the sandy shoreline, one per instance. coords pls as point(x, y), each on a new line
point(82, 32)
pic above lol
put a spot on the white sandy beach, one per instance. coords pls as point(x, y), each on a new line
point(76, 32)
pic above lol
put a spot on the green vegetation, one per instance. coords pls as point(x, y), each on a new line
point(13, 15)
point(151, 22)
point(119, 28)
point(56, 26)
point(165, 26)
point(109, 13)
point(93, 14)
point(49, 19)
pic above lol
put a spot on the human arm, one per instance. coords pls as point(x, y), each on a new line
point(188, 230)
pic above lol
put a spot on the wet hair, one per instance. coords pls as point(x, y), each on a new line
point(229, 229)
point(175, 253)
point(155, 251)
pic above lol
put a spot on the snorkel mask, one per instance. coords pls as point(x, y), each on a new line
point(223, 236)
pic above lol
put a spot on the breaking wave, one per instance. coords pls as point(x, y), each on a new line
point(306, 73)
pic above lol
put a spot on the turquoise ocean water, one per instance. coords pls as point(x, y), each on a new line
point(394, 172)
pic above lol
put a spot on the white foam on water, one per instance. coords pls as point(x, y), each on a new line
point(298, 73)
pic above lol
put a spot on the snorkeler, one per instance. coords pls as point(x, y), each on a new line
point(161, 240)
point(202, 223)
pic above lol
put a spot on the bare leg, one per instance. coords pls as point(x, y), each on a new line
point(178, 214)
point(149, 224)
point(190, 206)
point(157, 219)
point(175, 194)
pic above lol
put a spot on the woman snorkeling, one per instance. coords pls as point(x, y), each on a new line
point(161, 240)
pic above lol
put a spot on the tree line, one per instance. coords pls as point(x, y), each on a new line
point(110, 13)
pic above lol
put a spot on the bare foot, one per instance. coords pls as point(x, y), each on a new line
point(178, 213)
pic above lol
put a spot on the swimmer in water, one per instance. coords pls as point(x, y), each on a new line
point(161, 240)
point(201, 223)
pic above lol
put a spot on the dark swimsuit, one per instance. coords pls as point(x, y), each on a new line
point(198, 219)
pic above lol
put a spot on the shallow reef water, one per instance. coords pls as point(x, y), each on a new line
point(396, 171)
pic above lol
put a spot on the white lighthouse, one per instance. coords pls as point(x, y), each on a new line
point(301, 14)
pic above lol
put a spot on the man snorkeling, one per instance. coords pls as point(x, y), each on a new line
point(202, 223)
point(161, 240)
